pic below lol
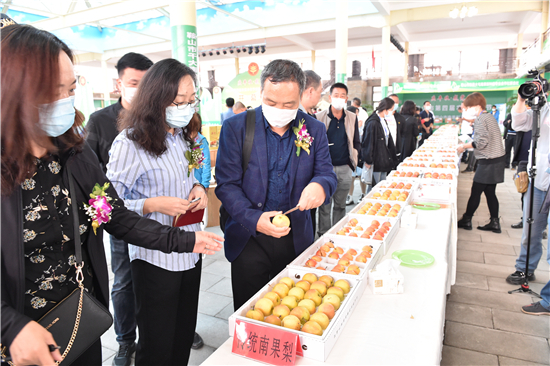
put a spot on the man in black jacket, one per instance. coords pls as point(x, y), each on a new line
point(400, 121)
point(102, 130)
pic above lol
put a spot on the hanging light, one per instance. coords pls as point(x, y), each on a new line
point(262, 49)
point(454, 13)
point(463, 12)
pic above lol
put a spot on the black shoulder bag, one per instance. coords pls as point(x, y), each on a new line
point(79, 320)
point(247, 151)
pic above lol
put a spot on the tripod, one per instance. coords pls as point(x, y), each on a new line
point(536, 104)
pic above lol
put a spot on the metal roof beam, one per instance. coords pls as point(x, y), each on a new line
point(300, 41)
point(212, 6)
point(98, 13)
point(442, 11)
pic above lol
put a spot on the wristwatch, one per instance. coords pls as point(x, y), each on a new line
point(199, 184)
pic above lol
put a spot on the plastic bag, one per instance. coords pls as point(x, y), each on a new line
point(386, 278)
point(366, 174)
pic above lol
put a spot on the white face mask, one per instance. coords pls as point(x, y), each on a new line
point(278, 117)
point(470, 113)
point(179, 118)
point(338, 103)
point(56, 118)
point(395, 106)
point(428, 107)
point(128, 93)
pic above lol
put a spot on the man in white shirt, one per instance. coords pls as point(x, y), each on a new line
point(361, 116)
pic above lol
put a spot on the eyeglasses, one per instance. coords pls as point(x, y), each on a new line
point(183, 105)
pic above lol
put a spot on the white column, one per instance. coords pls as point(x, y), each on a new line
point(406, 69)
point(313, 60)
point(341, 40)
point(519, 50)
point(386, 32)
point(107, 85)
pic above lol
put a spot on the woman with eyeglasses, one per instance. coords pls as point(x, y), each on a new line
point(149, 168)
point(48, 172)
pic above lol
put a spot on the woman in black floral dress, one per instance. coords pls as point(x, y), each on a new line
point(40, 143)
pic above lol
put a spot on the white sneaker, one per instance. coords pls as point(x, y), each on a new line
point(349, 201)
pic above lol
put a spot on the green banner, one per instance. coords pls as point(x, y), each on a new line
point(458, 86)
point(184, 45)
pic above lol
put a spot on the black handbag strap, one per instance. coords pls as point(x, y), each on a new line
point(249, 137)
point(76, 229)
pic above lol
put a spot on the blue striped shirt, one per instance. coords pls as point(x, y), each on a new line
point(137, 175)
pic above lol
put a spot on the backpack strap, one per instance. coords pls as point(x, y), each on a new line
point(249, 137)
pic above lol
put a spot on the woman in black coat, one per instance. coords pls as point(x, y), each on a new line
point(411, 129)
point(377, 148)
point(41, 146)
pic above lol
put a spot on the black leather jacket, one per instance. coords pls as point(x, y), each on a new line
point(126, 225)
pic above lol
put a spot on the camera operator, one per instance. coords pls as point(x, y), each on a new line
point(522, 120)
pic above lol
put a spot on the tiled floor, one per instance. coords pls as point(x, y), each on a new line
point(484, 323)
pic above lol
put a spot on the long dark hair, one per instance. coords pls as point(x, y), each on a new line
point(146, 119)
point(409, 108)
point(30, 76)
point(385, 104)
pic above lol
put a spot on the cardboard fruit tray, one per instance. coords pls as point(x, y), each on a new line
point(313, 346)
point(345, 243)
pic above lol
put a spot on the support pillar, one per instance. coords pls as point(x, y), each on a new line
point(107, 84)
point(406, 55)
point(237, 67)
point(519, 50)
point(313, 60)
point(183, 23)
point(341, 40)
point(386, 32)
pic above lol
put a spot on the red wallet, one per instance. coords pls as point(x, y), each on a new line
point(188, 218)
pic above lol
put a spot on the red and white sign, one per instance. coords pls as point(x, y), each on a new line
point(266, 344)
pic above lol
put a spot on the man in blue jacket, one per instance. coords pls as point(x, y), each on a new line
point(277, 179)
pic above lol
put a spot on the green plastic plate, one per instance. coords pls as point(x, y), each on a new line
point(413, 258)
point(427, 206)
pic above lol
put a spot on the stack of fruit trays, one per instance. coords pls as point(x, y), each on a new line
point(387, 195)
point(372, 208)
point(410, 176)
point(409, 186)
point(314, 305)
point(439, 178)
point(371, 228)
point(340, 254)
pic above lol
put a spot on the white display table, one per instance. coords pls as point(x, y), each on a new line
point(404, 329)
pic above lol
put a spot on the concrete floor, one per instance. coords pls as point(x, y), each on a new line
point(484, 324)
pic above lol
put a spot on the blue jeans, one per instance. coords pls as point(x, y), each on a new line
point(545, 294)
point(122, 293)
point(538, 226)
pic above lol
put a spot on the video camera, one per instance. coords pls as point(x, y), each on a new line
point(531, 89)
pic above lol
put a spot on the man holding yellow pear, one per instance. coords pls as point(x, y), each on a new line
point(289, 166)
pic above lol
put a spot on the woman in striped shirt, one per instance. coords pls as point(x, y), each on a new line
point(490, 154)
point(149, 169)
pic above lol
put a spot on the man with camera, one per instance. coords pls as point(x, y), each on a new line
point(522, 120)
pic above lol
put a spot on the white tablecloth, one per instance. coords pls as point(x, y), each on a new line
point(404, 329)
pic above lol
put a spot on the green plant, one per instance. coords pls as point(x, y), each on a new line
point(369, 108)
point(510, 103)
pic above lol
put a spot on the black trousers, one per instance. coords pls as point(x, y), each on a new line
point(262, 258)
point(509, 144)
point(475, 197)
point(90, 357)
point(166, 313)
